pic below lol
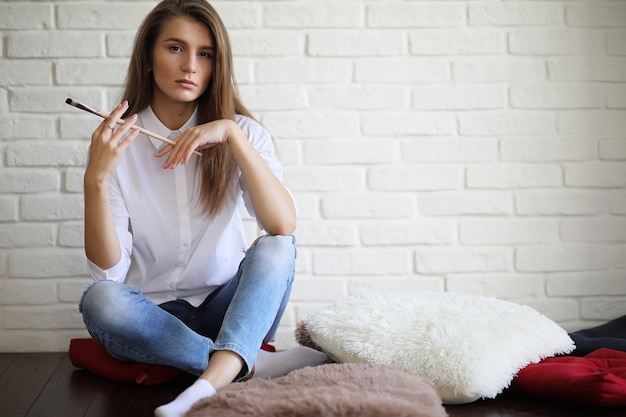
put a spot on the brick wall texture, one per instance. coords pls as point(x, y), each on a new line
point(467, 146)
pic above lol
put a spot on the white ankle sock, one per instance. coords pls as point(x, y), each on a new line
point(275, 364)
point(177, 408)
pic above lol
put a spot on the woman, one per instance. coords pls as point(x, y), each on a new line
point(175, 282)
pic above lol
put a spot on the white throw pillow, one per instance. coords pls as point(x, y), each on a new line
point(470, 347)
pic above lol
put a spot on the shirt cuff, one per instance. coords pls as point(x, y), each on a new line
point(115, 273)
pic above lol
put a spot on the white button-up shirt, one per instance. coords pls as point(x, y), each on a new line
point(170, 248)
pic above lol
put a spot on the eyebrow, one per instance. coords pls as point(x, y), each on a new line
point(178, 40)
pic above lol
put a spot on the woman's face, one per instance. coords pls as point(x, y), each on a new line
point(182, 61)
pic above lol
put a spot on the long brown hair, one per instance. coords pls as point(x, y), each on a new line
point(217, 165)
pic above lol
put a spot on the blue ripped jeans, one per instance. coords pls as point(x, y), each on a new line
point(238, 316)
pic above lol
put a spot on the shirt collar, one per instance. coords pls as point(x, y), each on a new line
point(152, 123)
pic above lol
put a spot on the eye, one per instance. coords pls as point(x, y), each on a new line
point(175, 48)
point(206, 54)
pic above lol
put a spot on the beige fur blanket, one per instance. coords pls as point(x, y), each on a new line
point(332, 390)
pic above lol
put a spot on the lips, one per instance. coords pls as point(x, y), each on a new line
point(186, 83)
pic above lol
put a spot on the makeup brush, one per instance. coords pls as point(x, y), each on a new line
point(104, 115)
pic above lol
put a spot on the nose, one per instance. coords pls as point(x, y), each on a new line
point(189, 63)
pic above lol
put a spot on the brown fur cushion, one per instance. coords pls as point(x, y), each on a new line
point(332, 390)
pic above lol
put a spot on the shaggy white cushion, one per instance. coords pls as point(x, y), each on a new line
point(470, 347)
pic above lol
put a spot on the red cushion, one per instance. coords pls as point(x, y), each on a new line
point(92, 356)
point(597, 379)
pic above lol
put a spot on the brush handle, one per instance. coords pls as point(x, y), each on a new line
point(104, 115)
point(144, 131)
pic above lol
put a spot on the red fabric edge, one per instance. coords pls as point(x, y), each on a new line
point(597, 379)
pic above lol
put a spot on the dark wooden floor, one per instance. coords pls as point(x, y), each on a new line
point(47, 385)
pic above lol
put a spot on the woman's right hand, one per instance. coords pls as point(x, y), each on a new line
point(107, 145)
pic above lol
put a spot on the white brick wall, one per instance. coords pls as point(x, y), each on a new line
point(472, 146)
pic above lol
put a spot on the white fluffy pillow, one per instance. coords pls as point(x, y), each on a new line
point(470, 347)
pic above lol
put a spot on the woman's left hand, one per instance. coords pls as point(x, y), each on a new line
point(196, 138)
